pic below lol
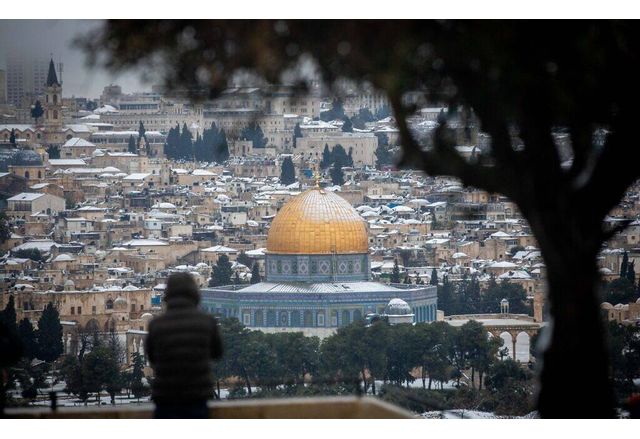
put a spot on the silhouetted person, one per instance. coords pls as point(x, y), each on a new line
point(180, 346)
point(10, 353)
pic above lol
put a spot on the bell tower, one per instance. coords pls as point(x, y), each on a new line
point(53, 106)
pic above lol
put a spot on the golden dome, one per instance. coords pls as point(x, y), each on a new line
point(317, 222)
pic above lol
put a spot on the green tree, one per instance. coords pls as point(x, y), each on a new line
point(514, 293)
point(631, 272)
point(132, 147)
point(53, 151)
point(619, 290)
point(624, 265)
point(100, 371)
point(12, 137)
point(255, 273)
point(5, 227)
point(434, 277)
point(347, 126)
point(337, 176)
point(244, 259)
point(254, 133)
point(29, 253)
point(142, 135)
point(37, 111)
point(327, 158)
point(288, 172)
point(137, 375)
point(28, 338)
point(395, 273)
point(8, 315)
point(222, 272)
point(383, 154)
point(49, 334)
point(186, 144)
point(297, 133)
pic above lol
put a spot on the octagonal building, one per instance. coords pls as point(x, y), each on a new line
point(318, 274)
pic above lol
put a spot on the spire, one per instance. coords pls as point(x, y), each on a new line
point(52, 78)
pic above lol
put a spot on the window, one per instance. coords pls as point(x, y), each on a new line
point(133, 307)
point(246, 319)
point(320, 319)
point(73, 310)
point(79, 310)
point(93, 309)
point(109, 303)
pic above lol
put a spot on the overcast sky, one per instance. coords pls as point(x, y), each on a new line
point(40, 38)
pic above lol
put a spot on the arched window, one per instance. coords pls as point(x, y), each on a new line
point(259, 318)
point(39, 174)
point(346, 318)
point(271, 318)
point(357, 315)
point(308, 318)
point(295, 318)
point(55, 99)
point(109, 304)
point(26, 175)
point(55, 114)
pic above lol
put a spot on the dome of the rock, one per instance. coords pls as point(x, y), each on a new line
point(318, 222)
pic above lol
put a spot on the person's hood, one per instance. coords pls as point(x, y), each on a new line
point(180, 302)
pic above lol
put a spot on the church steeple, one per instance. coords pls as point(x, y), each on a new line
point(52, 78)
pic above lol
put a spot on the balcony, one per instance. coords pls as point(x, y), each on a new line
point(340, 407)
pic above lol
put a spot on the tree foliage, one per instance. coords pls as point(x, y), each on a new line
point(222, 272)
point(49, 334)
point(288, 172)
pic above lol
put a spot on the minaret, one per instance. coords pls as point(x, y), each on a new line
point(53, 107)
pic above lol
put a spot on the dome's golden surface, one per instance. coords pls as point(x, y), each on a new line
point(317, 222)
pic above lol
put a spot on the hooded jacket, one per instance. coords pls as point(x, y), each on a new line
point(180, 346)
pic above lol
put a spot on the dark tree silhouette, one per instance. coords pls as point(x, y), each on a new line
point(49, 334)
point(520, 85)
point(288, 172)
point(37, 111)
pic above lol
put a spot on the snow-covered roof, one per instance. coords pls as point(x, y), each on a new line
point(25, 196)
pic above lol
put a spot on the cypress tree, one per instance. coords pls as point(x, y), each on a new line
point(288, 172)
point(131, 147)
point(395, 273)
point(137, 387)
point(49, 334)
point(624, 265)
point(347, 126)
point(186, 144)
point(434, 277)
point(222, 272)
point(28, 338)
point(337, 176)
point(631, 272)
point(142, 134)
point(326, 157)
point(12, 137)
point(350, 158)
point(255, 274)
point(222, 148)
point(37, 111)
point(8, 315)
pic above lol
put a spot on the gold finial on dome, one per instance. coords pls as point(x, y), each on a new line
point(316, 177)
point(318, 222)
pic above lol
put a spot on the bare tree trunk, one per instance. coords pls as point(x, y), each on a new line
point(574, 380)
